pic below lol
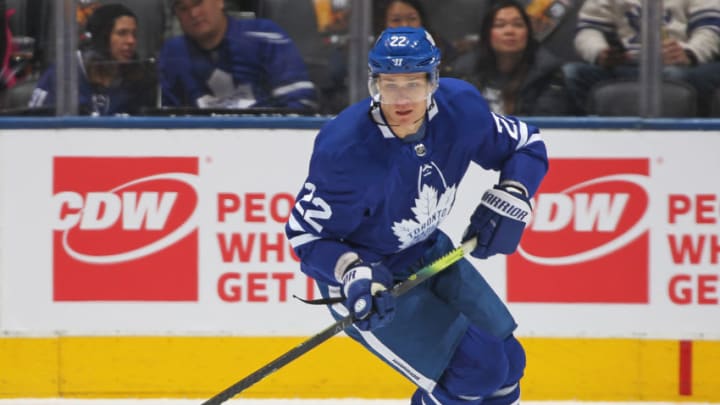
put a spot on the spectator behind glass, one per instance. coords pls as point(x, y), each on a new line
point(111, 79)
point(410, 13)
point(510, 68)
point(608, 40)
point(223, 62)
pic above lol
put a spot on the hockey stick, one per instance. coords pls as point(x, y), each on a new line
point(332, 330)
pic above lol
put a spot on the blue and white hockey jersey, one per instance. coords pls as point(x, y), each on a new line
point(123, 96)
point(695, 24)
point(255, 65)
point(378, 195)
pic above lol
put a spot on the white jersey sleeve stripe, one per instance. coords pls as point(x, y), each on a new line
point(435, 400)
point(302, 239)
point(338, 308)
point(523, 136)
point(504, 391)
point(37, 99)
point(294, 224)
point(289, 88)
point(271, 37)
point(536, 137)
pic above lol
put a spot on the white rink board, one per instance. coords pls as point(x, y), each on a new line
point(264, 167)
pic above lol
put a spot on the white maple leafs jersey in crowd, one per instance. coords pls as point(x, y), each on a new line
point(384, 197)
point(693, 23)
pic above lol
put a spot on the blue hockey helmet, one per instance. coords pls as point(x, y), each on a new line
point(404, 50)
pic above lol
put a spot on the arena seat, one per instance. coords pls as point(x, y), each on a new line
point(620, 97)
point(298, 19)
point(455, 19)
point(18, 96)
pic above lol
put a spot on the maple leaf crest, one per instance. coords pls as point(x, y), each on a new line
point(429, 211)
point(425, 204)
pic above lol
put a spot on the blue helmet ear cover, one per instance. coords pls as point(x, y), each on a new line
point(404, 50)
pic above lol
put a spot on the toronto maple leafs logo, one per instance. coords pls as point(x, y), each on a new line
point(431, 207)
point(224, 92)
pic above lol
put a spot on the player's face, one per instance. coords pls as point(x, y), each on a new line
point(509, 34)
point(201, 19)
point(403, 98)
point(401, 14)
point(403, 89)
point(123, 39)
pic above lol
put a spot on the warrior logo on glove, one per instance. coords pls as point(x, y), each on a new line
point(499, 221)
point(501, 205)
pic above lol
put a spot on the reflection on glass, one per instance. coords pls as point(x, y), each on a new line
point(111, 78)
point(21, 57)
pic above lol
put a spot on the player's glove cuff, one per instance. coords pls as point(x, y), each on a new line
point(343, 263)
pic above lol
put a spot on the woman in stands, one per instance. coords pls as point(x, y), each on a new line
point(112, 80)
point(511, 70)
point(410, 13)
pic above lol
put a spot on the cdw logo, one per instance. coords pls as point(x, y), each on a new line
point(583, 211)
point(100, 210)
point(124, 228)
point(588, 241)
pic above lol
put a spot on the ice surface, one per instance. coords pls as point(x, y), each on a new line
point(343, 401)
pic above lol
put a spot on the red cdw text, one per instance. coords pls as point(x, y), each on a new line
point(125, 229)
point(588, 239)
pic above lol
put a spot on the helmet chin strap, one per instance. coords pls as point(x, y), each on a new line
point(429, 102)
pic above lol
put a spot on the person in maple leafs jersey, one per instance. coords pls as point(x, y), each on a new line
point(222, 62)
point(383, 175)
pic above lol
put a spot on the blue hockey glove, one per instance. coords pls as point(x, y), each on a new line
point(498, 221)
point(367, 296)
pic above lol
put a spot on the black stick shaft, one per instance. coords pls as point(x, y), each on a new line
point(279, 362)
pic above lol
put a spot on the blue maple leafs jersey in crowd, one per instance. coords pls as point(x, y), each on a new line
point(378, 195)
point(121, 97)
point(255, 65)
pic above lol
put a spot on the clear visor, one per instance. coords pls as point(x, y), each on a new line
point(400, 88)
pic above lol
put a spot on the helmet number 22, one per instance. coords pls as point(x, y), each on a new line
point(398, 40)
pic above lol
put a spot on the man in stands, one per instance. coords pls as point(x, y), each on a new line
point(224, 62)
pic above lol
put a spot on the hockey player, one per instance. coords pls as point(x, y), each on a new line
point(225, 62)
point(382, 177)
